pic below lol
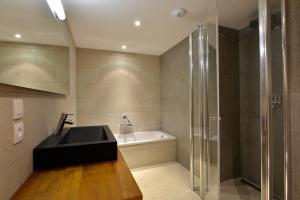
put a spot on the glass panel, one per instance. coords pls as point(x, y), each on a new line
point(213, 116)
point(244, 100)
point(240, 131)
point(277, 96)
point(205, 114)
point(250, 130)
point(196, 110)
point(205, 107)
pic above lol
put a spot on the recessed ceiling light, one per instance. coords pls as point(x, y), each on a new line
point(57, 9)
point(137, 23)
point(124, 47)
point(17, 35)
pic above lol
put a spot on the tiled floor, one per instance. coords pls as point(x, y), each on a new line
point(168, 181)
point(236, 190)
point(171, 181)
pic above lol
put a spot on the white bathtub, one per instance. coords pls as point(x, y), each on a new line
point(142, 138)
point(142, 149)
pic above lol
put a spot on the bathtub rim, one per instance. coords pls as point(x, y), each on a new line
point(169, 138)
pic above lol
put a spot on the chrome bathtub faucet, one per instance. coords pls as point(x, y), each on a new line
point(128, 122)
point(126, 128)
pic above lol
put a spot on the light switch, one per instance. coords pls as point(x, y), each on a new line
point(17, 108)
point(18, 132)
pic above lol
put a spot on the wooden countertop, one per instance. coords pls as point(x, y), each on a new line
point(111, 180)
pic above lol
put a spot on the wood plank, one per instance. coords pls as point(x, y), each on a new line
point(111, 180)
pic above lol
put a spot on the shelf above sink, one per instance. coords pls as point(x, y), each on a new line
point(77, 145)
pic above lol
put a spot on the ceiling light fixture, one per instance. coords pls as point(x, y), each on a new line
point(17, 35)
point(57, 9)
point(137, 23)
point(124, 47)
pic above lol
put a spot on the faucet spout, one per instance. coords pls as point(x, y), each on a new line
point(61, 123)
point(128, 122)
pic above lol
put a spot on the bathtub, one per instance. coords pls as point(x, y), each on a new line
point(142, 149)
point(142, 138)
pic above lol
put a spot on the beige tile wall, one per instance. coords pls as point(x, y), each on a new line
point(41, 114)
point(110, 84)
point(175, 98)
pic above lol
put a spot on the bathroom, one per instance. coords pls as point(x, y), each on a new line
point(149, 100)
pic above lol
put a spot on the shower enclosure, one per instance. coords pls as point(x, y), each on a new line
point(263, 126)
point(204, 106)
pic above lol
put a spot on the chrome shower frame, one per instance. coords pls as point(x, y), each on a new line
point(265, 103)
point(286, 105)
point(203, 183)
point(266, 99)
point(204, 165)
point(191, 123)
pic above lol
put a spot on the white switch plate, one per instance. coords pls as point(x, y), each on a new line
point(18, 108)
point(18, 132)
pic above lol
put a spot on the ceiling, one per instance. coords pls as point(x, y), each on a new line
point(109, 24)
point(237, 13)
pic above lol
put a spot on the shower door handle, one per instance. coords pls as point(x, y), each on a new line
point(216, 118)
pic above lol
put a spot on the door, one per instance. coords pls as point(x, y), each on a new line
point(204, 112)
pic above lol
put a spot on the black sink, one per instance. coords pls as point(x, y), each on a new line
point(77, 145)
point(84, 134)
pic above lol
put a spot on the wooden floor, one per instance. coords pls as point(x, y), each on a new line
point(110, 180)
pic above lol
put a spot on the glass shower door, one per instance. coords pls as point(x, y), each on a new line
point(204, 112)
